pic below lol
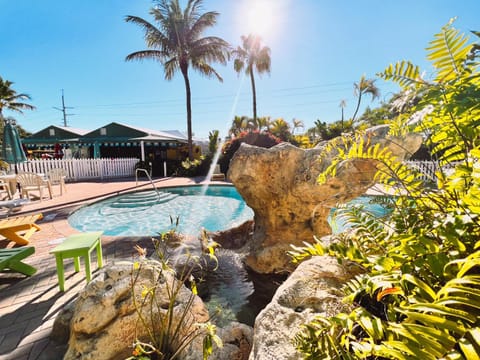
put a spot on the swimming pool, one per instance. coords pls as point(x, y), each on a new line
point(377, 206)
point(149, 213)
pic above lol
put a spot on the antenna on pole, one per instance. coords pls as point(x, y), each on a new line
point(63, 110)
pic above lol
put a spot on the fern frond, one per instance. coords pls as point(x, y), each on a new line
point(448, 53)
point(404, 73)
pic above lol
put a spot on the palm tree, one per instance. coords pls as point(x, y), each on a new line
point(297, 124)
point(252, 55)
point(364, 86)
point(263, 123)
point(10, 100)
point(177, 44)
point(280, 128)
point(239, 124)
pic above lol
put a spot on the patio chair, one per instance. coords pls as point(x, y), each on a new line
point(9, 206)
point(33, 182)
point(12, 259)
point(5, 190)
point(57, 177)
point(20, 228)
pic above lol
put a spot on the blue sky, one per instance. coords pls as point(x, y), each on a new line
point(319, 48)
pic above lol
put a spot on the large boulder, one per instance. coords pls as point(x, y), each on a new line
point(280, 185)
point(312, 289)
point(105, 322)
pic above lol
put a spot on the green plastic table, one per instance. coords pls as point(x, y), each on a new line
point(75, 246)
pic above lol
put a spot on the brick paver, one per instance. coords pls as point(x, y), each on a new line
point(29, 305)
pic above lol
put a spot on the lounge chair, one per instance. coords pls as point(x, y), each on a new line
point(33, 182)
point(9, 206)
point(12, 259)
point(217, 174)
point(57, 177)
point(12, 228)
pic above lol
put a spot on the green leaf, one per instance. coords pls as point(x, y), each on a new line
point(434, 320)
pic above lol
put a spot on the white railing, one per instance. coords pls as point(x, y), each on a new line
point(83, 169)
point(427, 168)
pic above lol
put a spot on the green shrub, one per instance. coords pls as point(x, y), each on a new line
point(419, 297)
point(257, 138)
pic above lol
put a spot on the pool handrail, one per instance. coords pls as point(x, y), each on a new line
point(149, 178)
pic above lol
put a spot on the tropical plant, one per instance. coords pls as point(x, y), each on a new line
point(11, 100)
point(257, 138)
point(329, 131)
point(363, 87)
point(241, 124)
point(213, 140)
point(251, 55)
point(281, 129)
point(419, 297)
point(177, 43)
point(168, 322)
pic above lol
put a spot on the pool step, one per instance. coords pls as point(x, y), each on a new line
point(143, 199)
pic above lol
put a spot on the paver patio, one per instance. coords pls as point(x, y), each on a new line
point(29, 305)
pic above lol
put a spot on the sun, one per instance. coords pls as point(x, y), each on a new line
point(260, 17)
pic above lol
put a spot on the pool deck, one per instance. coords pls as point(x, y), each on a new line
point(29, 305)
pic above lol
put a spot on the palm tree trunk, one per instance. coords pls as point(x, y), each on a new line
point(342, 119)
point(358, 106)
point(254, 93)
point(184, 69)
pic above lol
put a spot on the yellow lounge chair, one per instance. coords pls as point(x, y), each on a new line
point(13, 228)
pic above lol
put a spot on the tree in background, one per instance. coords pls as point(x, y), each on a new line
point(11, 100)
point(343, 105)
point(178, 45)
point(241, 124)
point(281, 129)
point(257, 138)
point(297, 124)
point(252, 56)
point(363, 87)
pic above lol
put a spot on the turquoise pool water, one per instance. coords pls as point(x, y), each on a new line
point(148, 213)
point(370, 204)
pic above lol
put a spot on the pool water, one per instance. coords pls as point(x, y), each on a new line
point(149, 213)
point(371, 204)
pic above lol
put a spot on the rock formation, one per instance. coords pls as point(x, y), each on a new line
point(280, 185)
point(312, 289)
point(104, 323)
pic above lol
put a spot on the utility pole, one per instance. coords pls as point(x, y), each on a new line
point(63, 110)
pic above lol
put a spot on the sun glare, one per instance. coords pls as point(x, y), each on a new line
point(260, 17)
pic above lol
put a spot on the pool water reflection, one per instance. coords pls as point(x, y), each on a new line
point(148, 213)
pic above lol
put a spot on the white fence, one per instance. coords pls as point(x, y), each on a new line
point(427, 168)
point(83, 169)
point(87, 169)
